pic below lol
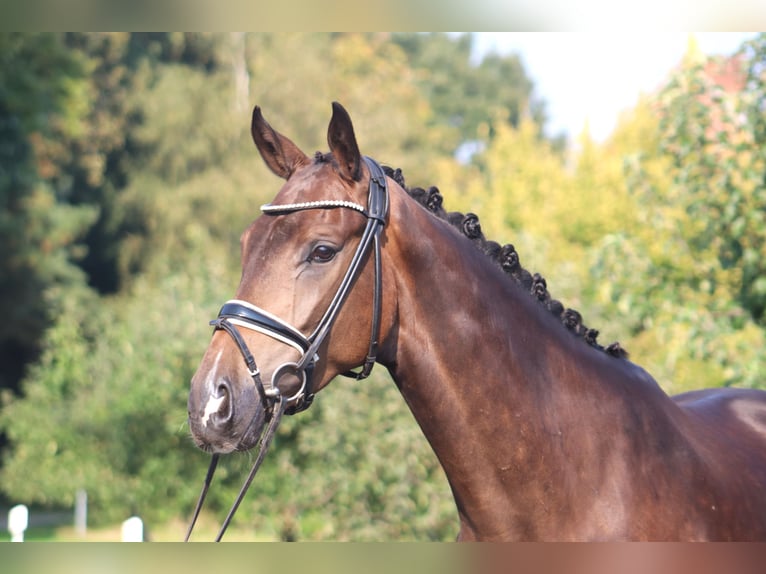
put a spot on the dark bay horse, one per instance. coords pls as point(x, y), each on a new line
point(542, 433)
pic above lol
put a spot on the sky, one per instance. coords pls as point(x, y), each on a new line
point(592, 77)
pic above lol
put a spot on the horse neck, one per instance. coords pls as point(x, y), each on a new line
point(494, 381)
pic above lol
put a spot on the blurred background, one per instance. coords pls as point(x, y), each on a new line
point(127, 175)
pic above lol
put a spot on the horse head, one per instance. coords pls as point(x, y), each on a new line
point(295, 322)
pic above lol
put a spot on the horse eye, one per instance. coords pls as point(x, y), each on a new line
point(322, 254)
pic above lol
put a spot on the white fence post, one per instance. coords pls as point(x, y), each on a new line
point(81, 512)
point(18, 521)
point(133, 530)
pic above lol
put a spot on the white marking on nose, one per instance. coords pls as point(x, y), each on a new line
point(212, 406)
point(213, 403)
point(212, 374)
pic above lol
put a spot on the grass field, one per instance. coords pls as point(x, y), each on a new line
point(174, 531)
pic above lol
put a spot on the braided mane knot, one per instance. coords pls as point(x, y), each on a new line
point(507, 258)
point(540, 287)
point(434, 200)
point(471, 226)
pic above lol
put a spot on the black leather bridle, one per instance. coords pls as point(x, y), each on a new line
point(237, 313)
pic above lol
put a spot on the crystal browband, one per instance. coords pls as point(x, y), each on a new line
point(327, 203)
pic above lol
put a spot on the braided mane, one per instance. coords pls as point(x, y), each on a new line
point(508, 259)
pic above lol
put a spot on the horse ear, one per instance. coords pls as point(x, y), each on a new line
point(342, 141)
point(281, 155)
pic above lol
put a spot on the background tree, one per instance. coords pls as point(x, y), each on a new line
point(41, 83)
point(690, 271)
point(466, 96)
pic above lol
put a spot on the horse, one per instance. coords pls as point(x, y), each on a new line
point(542, 433)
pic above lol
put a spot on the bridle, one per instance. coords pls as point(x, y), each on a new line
point(248, 316)
point(236, 314)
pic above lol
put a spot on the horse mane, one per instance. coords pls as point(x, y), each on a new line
point(508, 259)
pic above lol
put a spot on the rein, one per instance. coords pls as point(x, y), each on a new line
point(236, 313)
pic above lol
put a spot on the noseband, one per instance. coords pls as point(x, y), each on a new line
point(237, 313)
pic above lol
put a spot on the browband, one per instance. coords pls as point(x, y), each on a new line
point(325, 204)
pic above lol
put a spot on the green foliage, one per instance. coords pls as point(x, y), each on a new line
point(687, 275)
point(101, 408)
point(41, 238)
point(465, 96)
point(41, 82)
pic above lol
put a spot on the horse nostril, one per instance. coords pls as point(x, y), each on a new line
point(220, 407)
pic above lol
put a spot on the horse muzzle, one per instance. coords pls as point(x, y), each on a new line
point(223, 417)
